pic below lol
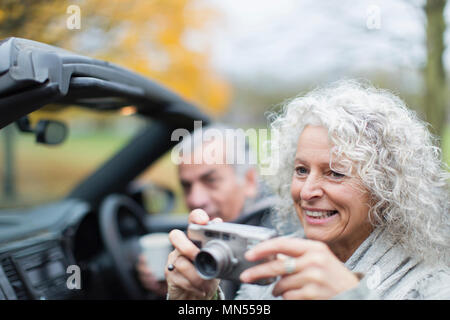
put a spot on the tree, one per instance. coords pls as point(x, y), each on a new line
point(147, 36)
point(436, 106)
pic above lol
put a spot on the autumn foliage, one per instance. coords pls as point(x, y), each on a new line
point(147, 36)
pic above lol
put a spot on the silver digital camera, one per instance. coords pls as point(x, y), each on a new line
point(222, 248)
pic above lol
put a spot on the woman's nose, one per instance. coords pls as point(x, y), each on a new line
point(312, 188)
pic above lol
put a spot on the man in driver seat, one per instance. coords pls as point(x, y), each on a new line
point(226, 191)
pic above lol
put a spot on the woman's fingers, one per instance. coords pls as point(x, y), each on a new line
point(297, 281)
point(316, 273)
point(269, 269)
point(183, 284)
point(279, 267)
point(187, 277)
point(184, 280)
point(183, 276)
point(216, 220)
point(185, 268)
point(198, 216)
point(293, 247)
point(183, 245)
point(297, 253)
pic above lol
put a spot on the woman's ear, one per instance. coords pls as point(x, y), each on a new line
point(251, 183)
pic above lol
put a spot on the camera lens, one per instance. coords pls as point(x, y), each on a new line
point(214, 260)
point(206, 264)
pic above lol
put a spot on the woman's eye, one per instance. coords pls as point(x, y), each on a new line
point(337, 175)
point(301, 171)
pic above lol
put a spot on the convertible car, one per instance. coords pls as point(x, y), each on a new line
point(96, 224)
point(85, 225)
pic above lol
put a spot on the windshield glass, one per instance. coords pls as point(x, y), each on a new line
point(33, 173)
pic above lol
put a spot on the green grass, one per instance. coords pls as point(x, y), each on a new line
point(44, 173)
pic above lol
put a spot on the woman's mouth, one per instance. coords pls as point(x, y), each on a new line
point(319, 216)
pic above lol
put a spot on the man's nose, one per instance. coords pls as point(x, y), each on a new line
point(197, 197)
point(312, 188)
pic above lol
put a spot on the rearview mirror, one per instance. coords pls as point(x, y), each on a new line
point(50, 132)
point(46, 131)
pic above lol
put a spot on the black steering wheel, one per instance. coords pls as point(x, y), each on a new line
point(114, 208)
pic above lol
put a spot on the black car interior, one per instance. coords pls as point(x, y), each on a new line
point(97, 224)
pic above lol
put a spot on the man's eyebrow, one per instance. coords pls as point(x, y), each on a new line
point(208, 173)
point(205, 175)
point(185, 182)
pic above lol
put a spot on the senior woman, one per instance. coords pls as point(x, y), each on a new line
point(359, 176)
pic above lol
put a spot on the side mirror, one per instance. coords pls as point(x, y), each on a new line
point(46, 131)
point(50, 132)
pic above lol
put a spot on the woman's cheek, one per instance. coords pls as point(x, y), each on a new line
point(296, 188)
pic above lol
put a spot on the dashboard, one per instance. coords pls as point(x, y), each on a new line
point(36, 271)
point(43, 248)
point(36, 251)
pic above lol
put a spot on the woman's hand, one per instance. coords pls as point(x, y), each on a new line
point(308, 269)
point(183, 281)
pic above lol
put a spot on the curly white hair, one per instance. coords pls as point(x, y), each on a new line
point(375, 136)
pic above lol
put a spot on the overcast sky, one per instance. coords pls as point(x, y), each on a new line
point(293, 40)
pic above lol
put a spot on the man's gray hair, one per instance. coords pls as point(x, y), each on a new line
point(235, 141)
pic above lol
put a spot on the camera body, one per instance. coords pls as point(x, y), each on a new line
point(222, 248)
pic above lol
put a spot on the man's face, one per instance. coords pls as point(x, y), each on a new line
point(216, 188)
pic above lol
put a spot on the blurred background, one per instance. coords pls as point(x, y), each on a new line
point(236, 59)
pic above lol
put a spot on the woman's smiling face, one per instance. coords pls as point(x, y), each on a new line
point(332, 207)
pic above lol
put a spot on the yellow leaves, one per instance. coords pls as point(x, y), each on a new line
point(146, 36)
point(17, 11)
point(154, 37)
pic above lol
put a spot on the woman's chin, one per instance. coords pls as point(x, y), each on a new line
point(319, 234)
point(317, 237)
